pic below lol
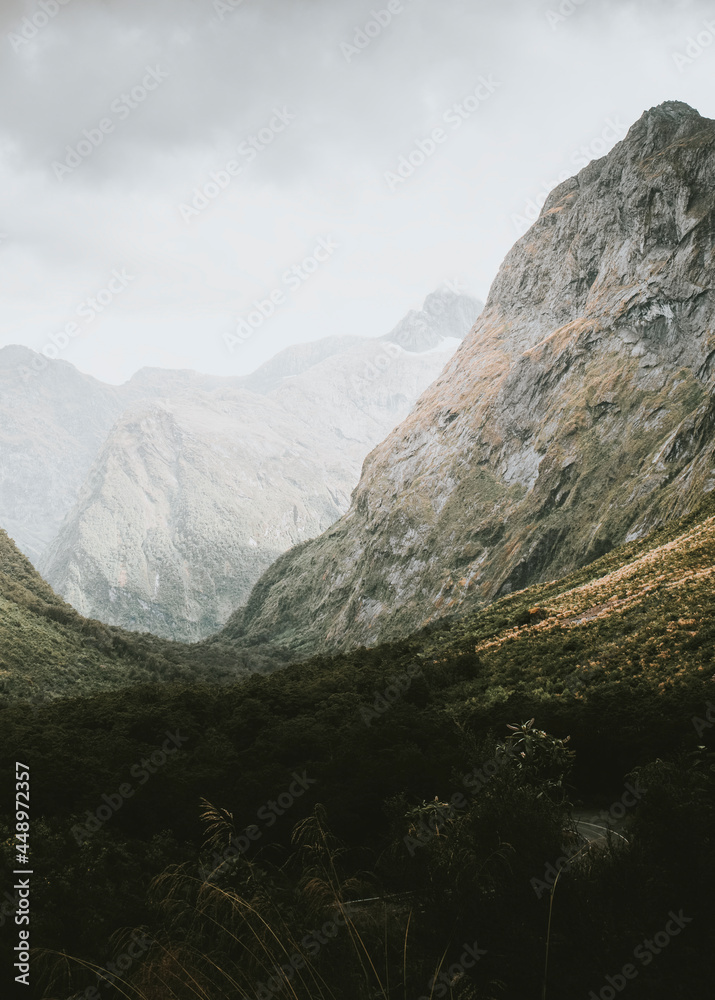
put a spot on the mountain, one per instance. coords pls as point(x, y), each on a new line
point(612, 666)
point(578, 414)
point(52, 424)
point(445, 313)
point(48, 650)
point(203, 482)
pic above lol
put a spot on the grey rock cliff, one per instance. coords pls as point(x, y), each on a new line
point(52, 424)
point(579, 412)
point(203, 482)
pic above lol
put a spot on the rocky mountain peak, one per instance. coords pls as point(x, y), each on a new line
point(158, 503)
point(445, 314)
point(14, 354)
point(622, 217)
point(665, 118)
point(577, 414)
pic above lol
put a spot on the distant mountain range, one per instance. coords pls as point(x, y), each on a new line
point(48, 650)
point(157, 504)
point(578, 414)
point(534, 540)
point(647, 604)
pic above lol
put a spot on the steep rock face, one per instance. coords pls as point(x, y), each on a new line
point(52, 424)
point(578, 414)
point(196, 493)
point(447, 312)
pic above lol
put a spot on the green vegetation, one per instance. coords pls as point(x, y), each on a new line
point(48, 650)
point(387, 777)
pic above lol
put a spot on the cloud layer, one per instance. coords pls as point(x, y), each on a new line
point(416, 135)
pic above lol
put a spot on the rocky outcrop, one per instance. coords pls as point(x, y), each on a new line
point(578, 414)
point(198, 489)
point(53, 422)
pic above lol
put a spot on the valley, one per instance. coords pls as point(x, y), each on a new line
point(440, 728)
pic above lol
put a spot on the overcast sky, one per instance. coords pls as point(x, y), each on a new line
point(98, 193)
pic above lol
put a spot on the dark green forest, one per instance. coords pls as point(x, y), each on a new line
point(395, 822)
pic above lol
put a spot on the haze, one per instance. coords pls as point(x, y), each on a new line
point(117, 113)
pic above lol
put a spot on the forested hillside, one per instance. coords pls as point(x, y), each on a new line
point(402, 752)
point(48, 650)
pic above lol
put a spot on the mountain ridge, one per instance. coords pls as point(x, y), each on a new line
point(578, 412)
point(644, 606)
point(203, 481)
point(49, 651)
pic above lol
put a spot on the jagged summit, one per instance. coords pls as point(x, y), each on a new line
point(642, 199)
point(157, 504)
point(677, 111)
point(658, 128)
point(664, 124)
point(445, 313)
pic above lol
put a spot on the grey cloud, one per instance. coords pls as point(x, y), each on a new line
point(355, 115)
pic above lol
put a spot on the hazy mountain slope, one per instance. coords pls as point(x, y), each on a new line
point(578, 414)
point(641, 615)
point(166, 536)
point(54, 419)
point(445, 313)
point(195, 495)
point(52, 424)
point(295, 360)
point(48, 650)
